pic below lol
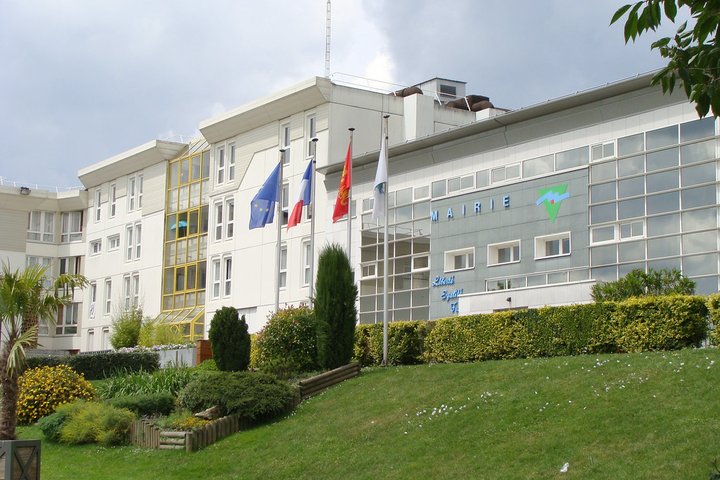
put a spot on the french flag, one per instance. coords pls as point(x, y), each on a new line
point(303, 197)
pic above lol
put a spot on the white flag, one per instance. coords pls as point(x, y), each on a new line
point(380, 190)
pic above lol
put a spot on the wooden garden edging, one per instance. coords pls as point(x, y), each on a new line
point(145, 434)
point(317, 384)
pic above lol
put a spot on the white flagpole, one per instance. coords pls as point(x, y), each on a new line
point(279, 232)
point(312, 221)
point(349, 214)
point(385, 254)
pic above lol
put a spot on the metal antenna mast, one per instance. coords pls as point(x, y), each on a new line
point(327, 41)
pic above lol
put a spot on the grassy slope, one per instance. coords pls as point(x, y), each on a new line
point(635, 416)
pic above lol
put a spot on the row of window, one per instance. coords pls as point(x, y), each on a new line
point(134, 197)
point(130, 294)
point(41, 226)
point(548, 246)
point(133, 243)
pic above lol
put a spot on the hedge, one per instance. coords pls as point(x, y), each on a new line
point(405, 343)
point(96, 366)
point(713, 305)
point(636, 324)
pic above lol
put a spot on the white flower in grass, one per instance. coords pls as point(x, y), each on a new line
point(564, 468)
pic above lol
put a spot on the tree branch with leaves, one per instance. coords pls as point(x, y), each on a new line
point(693, 54)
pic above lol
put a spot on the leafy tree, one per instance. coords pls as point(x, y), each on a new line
point(335, 307)
point(230, 340)
point(126, 328)
point(637, 283)
point(24, 300)
point(693, 53)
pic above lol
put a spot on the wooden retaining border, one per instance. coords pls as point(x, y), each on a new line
point(145, 434)
point(314, 385)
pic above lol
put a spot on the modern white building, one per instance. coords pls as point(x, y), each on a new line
point(488, 209)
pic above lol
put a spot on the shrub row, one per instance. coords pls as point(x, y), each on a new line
point(147, 405)
point(637, 324)
point(96, 366)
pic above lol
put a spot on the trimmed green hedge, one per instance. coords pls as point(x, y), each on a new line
point(713, 304)
point(96, 366)
point(636, 324)
point(406, 342)
point(147, 405)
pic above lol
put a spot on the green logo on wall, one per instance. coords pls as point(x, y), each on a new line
point(552, 198)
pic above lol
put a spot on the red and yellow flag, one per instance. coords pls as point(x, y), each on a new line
point(342, 204)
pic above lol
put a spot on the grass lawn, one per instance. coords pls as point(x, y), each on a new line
point(635, 416)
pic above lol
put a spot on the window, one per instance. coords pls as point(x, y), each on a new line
point(460, 183)
point(460, 259)
point(135, 289)
point(98, 204)
point(227, 277)
point(508, 172)
point(217, 273)
point(71, 227)
point(113, 242)
point(501, 253)
point(306, 263)
point(602, 151)
point(285, 142)
point(126, 292)
point(67, 319)
point(283, 266)
point(41, 226)
point(135, 191)
point(231, 163)
point(369, 270)
point(70, 265)
point(218, 221)
point(108, 296)
point(552, 245)
point(133, 239)
point(95, 247)
point(311, 133)
point(220, 159)
point(222, 276)
point(448, 89)
point(112, 201)
point(229, 218)
point(285, 203)
point(93, 299)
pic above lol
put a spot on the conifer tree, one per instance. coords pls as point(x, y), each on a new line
point(230, 340)
point(335, 308)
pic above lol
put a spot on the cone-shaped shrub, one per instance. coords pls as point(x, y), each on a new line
point(230, 340)
point(335, 308)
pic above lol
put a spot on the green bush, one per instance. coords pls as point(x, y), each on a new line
point(166, 380)
point(90, 422)
point(207, 366)
point(406, 343)
point(335, 311)
point(290, 334)
point(713, 305)
point(637, 283)
point(253, 396)
point(145, 405)
point(43, 389)
point(230, 340)
point(126, 328)
point(636, 324)
point(152, 332)
point(96, 366)
point(51, 425)
point(181, 421)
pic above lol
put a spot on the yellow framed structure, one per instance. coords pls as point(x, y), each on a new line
point(185, 247)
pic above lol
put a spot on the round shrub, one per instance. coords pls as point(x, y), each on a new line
point(251, 395)
point(43, 389)
point(290, 337)
point(126, 328)
point(93, 422)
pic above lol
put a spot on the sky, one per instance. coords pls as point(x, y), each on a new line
point(84, 80)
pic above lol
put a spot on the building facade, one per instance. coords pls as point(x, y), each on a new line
point(487, 209)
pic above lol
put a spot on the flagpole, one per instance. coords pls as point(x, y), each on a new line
point(349, 214)
point(312, 220)
point(385, 253)
point(279, 232)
